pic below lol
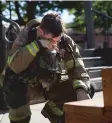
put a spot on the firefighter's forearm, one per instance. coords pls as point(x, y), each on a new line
point(20, 59)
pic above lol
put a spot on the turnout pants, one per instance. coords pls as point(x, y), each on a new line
point(16, 97)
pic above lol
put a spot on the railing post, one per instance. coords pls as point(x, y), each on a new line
point(2, 44)
point(89, 24)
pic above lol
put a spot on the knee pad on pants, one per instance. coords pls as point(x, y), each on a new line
point(15, 94)
point(26, 120)
point(20, 114)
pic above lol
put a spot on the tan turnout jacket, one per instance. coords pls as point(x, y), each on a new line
point(23, 53)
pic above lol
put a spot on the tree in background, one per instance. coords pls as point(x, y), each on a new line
point(105, 7)
point(27, 10)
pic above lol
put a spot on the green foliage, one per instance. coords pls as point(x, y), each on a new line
point(104, 7)
point(99, 21)
point(26, 10)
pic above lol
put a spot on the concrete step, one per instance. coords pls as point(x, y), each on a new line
point(94, 73)
point(93, 61)
point(97, 68)
point(97, 82)
point(88, 53)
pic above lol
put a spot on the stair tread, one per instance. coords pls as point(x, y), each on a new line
point(95, 68)
point(91, 58)
point(96, 79)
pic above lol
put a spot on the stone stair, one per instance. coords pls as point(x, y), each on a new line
point(95, 60)
point(94, 73)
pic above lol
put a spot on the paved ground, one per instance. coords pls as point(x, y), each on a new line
point(36, 115)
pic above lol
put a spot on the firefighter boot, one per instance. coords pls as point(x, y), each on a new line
point(53, 113)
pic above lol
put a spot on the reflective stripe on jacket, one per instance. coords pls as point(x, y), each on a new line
point(20, 59)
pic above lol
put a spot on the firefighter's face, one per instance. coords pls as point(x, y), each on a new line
point(49, 36)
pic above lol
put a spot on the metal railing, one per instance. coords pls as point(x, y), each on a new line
point(2, 18)
point(101, 13)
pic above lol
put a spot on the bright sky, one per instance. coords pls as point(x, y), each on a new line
point(66, 17)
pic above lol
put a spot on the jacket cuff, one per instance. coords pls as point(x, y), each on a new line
point(33, 48)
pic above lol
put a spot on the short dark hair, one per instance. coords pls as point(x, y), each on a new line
point(52, 23)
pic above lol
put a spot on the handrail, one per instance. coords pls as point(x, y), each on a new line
point(6, 19)
point(13, 23)
point(101, 13)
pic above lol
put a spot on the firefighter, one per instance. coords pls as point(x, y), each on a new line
point(26, 59)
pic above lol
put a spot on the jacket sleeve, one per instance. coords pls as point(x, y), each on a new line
point(22, 52)
point(78, 72)
point(19, 58)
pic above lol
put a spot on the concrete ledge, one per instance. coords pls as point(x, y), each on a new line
point(97, 82)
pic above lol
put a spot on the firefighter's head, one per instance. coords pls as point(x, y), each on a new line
point(51, 27)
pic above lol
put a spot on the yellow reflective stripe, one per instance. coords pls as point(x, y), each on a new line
point(18, 119)
point(19, 113)
point(10, 58)
point(79, 83)
point(33, 48)
point(54, 108)
point(29, 48)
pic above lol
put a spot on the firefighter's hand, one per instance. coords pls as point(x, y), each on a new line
point(48, 44)
point(82, 94)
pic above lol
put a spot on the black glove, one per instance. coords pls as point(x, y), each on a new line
point(92, 90)
point(82, 94)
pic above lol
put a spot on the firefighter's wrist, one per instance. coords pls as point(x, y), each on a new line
point(82, 94)
point(33, 48)
point(81, 88)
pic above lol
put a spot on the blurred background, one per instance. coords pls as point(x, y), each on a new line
point(79, 17)
point(89, 23)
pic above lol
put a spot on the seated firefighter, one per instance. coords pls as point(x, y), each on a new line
point(43, 54)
